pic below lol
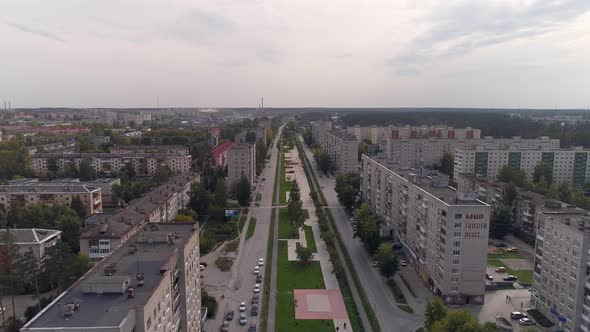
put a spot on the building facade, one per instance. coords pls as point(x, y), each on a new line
point(443, 231)
point(130, 149)
point(144, 164)
point(35, 240)
point(51, 194)
point(378, 134)
point(343, 151)
point(561, 287)
point(149, 284)
point(220, 152)
point(564, 165)
point(318, 131)
point(241, 160)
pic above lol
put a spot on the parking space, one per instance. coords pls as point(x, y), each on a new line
point(503, 302)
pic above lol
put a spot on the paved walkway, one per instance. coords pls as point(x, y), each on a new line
point(322, 255)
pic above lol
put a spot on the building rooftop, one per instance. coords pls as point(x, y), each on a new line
point(102, 299)
point(432, 182)
point(31, 235)
point(240, 146)
point(576, 219)
point(109, 155)
point(35, 181)
point(220, 149)
point(47, 188)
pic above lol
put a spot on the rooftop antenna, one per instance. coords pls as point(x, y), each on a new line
point(263, 103)
point(9, 106)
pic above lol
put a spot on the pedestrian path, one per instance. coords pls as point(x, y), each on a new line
point(330, 281)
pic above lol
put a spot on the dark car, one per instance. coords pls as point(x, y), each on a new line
point(255, 299)
point(252, 328)
point(229, 315)
point(396, 246)
point(259, 278)
point(510, 278)
point(254, 310)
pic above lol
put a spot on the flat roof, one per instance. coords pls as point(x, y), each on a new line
point(109, 155)
point(109, 309)
point(575, 219)
point(48, 188)
point(430, 181)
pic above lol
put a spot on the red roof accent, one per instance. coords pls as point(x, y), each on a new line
point(220, 149)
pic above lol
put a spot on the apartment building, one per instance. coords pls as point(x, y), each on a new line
point(241, 160)
point(343, 150)
point(373, 134)
point(35, 240)
point(377, 134)
point(561, 286)
point(418, 151)
point(161, 205)
point(130, 149)
point(150, 283)
point(144, 164)
point(51, 194)
point(318, 131)
point(104, 184)
point(564, 165)
point(443, 231)
point(220, 153)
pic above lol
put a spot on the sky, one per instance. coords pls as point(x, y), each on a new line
point(304, 53)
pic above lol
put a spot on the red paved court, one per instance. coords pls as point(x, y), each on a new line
point(319, 304)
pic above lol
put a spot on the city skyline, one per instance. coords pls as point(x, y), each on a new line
point(505, 54)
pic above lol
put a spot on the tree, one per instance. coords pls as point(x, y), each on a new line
point(367, 227)
point(78, 207)
point(71, 170)
point(500, 221)
point(86, 171)
point(435, 311)
point(52, 165)
point(457, 321)
point(129, 170)
point(295, 207)
point(307, 137)
point(162, 174)
point(304, 255)
point(29, 270)
point(220, 192)
point(69, 224)
point(243, 191)
point(509, 194)
point(565, 193)
point(250, 137)
point(508, 174)
point(9, 257)
point(322, 159)
point(348, 189)
point(447, 164)
point(200, 198)
point(54, 263)
point(386, 260)
point(542, 170)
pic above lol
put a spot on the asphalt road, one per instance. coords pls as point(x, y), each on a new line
point(390, 317)
point(237, 285)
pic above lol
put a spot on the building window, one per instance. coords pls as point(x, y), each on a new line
point(458, 216)
point(455, 262)
point(457, 225)
point(456, 253)
point(455, 271)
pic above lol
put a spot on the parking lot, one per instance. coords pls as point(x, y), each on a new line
point(497, 303)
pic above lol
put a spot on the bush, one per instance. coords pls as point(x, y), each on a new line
point(210, 303)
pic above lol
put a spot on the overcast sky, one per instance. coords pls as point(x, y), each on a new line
point(340, 53)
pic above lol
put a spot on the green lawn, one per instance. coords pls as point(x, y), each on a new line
point(258, 197)
point(290, 276)
point(310, 240)
point(267, 270)
point(505, 254)
point(524, 276)
point(286, 229)
point(251, 228)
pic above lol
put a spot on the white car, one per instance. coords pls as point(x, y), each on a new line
point(242, 306)
point(261, 261)
point(243, 319)
point(403, 262)
point(257, 270)
point(257, 288)
point(526, 321)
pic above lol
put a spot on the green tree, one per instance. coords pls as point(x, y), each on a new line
point(367, 227)
point(54, 263)
point(386, 260)
point(29, 271)
point(250, 137)
point(243, 191)
point(220, 192)
point(307, 137)
point(162, 174)
point(435, 311)
point(500, 221)
point(542, 170)
point(509, 194)
point(322, 159)
point(447, 164)
point(86, 171)
point(9, 274)
point(347, 189)
point(457, 321)
point(78, 207)
point(71, 171)
point(295, 207)
point(565, 193)
point(52, 165)
point(200, 198)
point(70, 226)
point(304, 255)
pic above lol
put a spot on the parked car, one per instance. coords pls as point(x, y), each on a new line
point(510, 278)
point(374, 264)
point(257, 288)
point(403, 262)
point(517, 315)
point(500, 269)
point(255, 299)
point(225, 326)
point(202, 267)
point(254, 310)
point(261, 261)
point(489, 277)
point(242, 306)
point(512, 249)
point(526, 321)
point(252, 328)
point(259, 278)
point(230, 315)
point(243, 319)
point(257, 270)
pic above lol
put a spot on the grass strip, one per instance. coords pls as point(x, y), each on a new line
point(290, 276)
point(310, 240)
point(258, 197)
point(263, 325)
point(224, 263)
point(286, 228)
point(524, 276)
point(251, 228)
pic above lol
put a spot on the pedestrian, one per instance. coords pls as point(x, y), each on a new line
point(506, 300)
point(345, 326)
point(222, 296)
point(337, 328)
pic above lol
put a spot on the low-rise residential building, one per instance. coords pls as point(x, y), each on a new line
point(561, 286)
point(241, 161)
point(35, 240)
point(130, 149)
point(564, 165)
point(343, 151)
point(161, 205)
point(443, 231)
point(144, 164)
point(51, 194)
point(220, 153)
point(150, 283)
